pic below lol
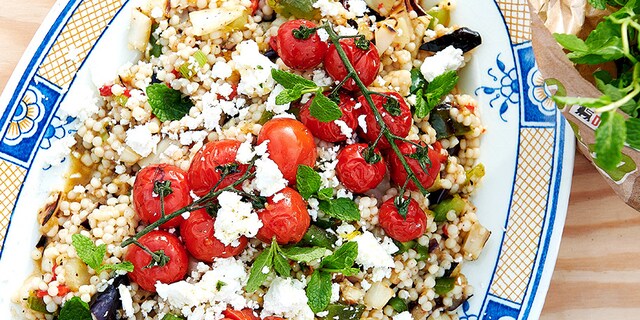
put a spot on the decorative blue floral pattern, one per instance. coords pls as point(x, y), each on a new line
point(541, 93)
point(24, 122)
point(463, 315)
point(505, 90)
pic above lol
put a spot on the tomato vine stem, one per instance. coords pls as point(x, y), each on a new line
point(352, 73)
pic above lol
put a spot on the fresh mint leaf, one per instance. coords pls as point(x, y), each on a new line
point(75, 309)
point(604, 43)
point(257, 276)
point(88, 252)
point(610, 137)
point(156, 48)
point(290, 80)
point(341, 208)
point(308, 181)
point(570, 42)
point(304, 254)
point(170, 316)
point(343, 258)
point(598, 4)
point(422, 108)
point(319, 291)
point(439, 87)
point(281, 265)
point(417, 81)
point(325, 194)
point(633, 132)
point(324, 109)
point(289, 95)
point(167, 103)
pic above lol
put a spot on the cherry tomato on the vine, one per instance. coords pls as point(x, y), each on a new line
point(290, 144)
point(287, 219)
point(355, 173)
point(244, 314)
point(198, 235)
point(147, 202)
point(330, 131)
point(402, 229)
point(431, 160)
point(366, 62)
point(397, 117)
point(203, 174)
point(173, 271)
point(296, 51)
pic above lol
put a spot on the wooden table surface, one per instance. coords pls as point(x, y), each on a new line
point(597, 275)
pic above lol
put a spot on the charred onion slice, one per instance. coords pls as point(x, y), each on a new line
point(464, 39)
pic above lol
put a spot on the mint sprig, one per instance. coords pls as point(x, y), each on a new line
point(167, 103)
point(75, 309)
point(308, 181)
point(319, 286)
point(321, 108)
point(93, 255)
point(343, 209)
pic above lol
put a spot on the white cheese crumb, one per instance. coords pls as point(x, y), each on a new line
point(329, 8)
point(140, 140)
point(324, 36)
point(449, 59)
point(362, 122)
point(314, 206)
point(127, 301)
point(346, 31)
point(358, 7)
point(335, 292)
point(265, 270)
point(278, 197)
point(186, 296)
point(321, 78)
point(186, 215)
point(372, 255)
point(344, 128)
point(58, 151)
point(269, 178)
point(235, 219)
point(221, 70)
point(403, 316)
point(254, 69)
point(365, 284)
point(287, 298)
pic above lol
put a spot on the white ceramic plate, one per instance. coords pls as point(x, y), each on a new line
point(527, 151)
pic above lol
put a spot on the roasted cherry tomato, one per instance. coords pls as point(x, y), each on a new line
point(203, 174)
point(147, 202)
point(197, 232)
point(299, 53)
point(397, 116)
point(355, 173)
point(173, 271)
point(366, 63)
point(331, 131)
point(244, 314)
point(426, 176)
point(290, 144)
point(402, 229)
point(287, 219)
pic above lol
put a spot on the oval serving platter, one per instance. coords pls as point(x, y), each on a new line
point(527, 150)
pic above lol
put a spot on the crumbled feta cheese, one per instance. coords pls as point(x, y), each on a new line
point(329, 8)
point(127, 301)
point(365, 284)
point(344, 128)
point(362, 122)
point(140, 140)
point(80, 103)
point(324, 36)
point(254, 69)
point(344, 193)
point(346, 31)
point(403, 316)
point(230, 107)
point(186, 215)
point(269, 178)
point(335, 292)
point(265, 270)
point(321, 78)
point(430, 34)
point(449, 59)
point(211, 111)
point(235, 219)
point(245, 152)
point(271, 101)
point(287, 298)
point(157, 13)
point(389, 246)
point(225, 90)
point(186, 296)
point(314, 206)
point(278, 197)
point(188, 138)
point(221, 70)
point(372, 255)
point(345, 230)
point(358, 7)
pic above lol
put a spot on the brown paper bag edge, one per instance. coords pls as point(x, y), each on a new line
point(554, 64)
